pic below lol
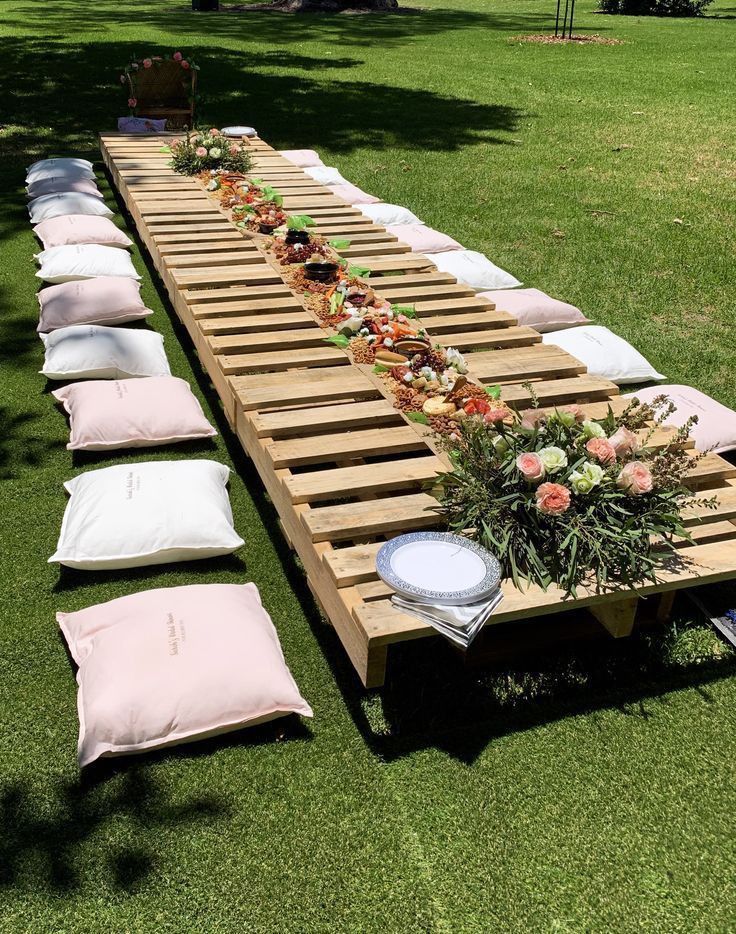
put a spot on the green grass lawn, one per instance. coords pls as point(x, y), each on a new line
point(586, 790)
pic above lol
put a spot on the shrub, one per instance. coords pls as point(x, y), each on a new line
point(654, 7)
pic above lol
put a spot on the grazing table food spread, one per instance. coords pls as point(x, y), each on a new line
point(344, 361)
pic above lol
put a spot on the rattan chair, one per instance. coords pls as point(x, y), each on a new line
point(165, 90)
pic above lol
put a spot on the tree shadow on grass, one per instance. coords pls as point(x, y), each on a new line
point(289, 111)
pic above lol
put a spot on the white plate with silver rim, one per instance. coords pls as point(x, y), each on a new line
point(238, 131)
point(438, 567)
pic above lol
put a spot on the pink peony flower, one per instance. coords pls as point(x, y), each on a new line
point(200, 151)
point(184, 63)
point(214, 131)
point(132, 102)
point(625, 442)
point(177, 56)
point(147, 63)
point(601, 450)
point(530, 466)
point(635, 478)
point(496, 413)
point(532, 419)
point(552, 499)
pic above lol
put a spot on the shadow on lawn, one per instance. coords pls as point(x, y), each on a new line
point(291, 108)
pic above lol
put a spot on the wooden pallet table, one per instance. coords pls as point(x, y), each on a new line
point(344, 468)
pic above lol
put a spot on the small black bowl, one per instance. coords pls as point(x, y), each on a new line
point(268, 228)
point(320, 272)
point(297, 236)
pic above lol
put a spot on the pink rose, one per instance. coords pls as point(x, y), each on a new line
point(624, 442)
point(132, 102)
point(575, 410)
point(200, 151)
point(147, 63)
point(233, 149)
point(177, 56)
point(185, 63)
point(601, 450)
point(496, 413)
point(552, 499)
point(122, 79)
point(214, 131)
point(531, 419)
point(530, 466)
point(635, 478)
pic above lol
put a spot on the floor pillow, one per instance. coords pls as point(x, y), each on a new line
point(423, 239)
point(304, 158)
point(474, 269)
point(326, 175)
point(132, 515)
point(61, 183)
point(353, 195)
point(534, 309)
point(387, 214)
point(716, 427)
point(49, 168)
point(91, 351)
point(74, 229)
point(605, 354)
point(140, 125)
point(176, 664)
point(83, 261)
point(103, 300)
point(66, 202)
point(106, 415)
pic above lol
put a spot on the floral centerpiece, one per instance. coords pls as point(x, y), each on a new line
point(561, 498)
point(209, 150)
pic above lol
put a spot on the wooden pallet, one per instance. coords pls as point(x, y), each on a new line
point(344, 468)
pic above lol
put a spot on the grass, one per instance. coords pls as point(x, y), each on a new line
point(584, 790)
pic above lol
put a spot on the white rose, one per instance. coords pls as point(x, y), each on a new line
point(215, 152)
point(553, 459)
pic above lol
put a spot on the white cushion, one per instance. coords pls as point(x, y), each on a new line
point(132, 515)
point(474, 269)
point(605, 354)
point(326, 175)
point(66, 202)
point(387, 214)
point(84, 261)
point(173, 664)
point(90, 351)
point(50, 168)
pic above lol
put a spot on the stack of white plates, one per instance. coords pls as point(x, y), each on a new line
point(238, 131)
point(446, 580)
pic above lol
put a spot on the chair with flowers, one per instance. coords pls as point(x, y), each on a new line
point(162, 88)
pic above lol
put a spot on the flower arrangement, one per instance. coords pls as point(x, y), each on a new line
point(137, 65)
point(208, 151)
point(561, 498)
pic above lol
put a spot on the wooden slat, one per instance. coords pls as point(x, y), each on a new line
point(372, 517)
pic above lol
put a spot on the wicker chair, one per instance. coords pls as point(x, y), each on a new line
point(165, 90)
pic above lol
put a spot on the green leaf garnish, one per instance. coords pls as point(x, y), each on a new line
point(300, 221)
point(339, 244)
point(359, 272)
point(339, 340)
point(409, 311)
point(493, 391)
point(165, 149)
point(419, 417)
point(380, 368)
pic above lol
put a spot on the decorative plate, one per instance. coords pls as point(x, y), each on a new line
point(238, 131)
point(438, 567)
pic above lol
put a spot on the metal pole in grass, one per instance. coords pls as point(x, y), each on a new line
point(564, 18)
point(557, 19)
point(572, 13)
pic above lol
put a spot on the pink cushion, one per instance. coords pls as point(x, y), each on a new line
point(423, 239)
point(102, 300)
point(132, 413)
point(535, 309)
point(165, 666)
point(352, 194)
point(716, 428)
point(60, 183)
point(74, 229)
point(304, 158)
